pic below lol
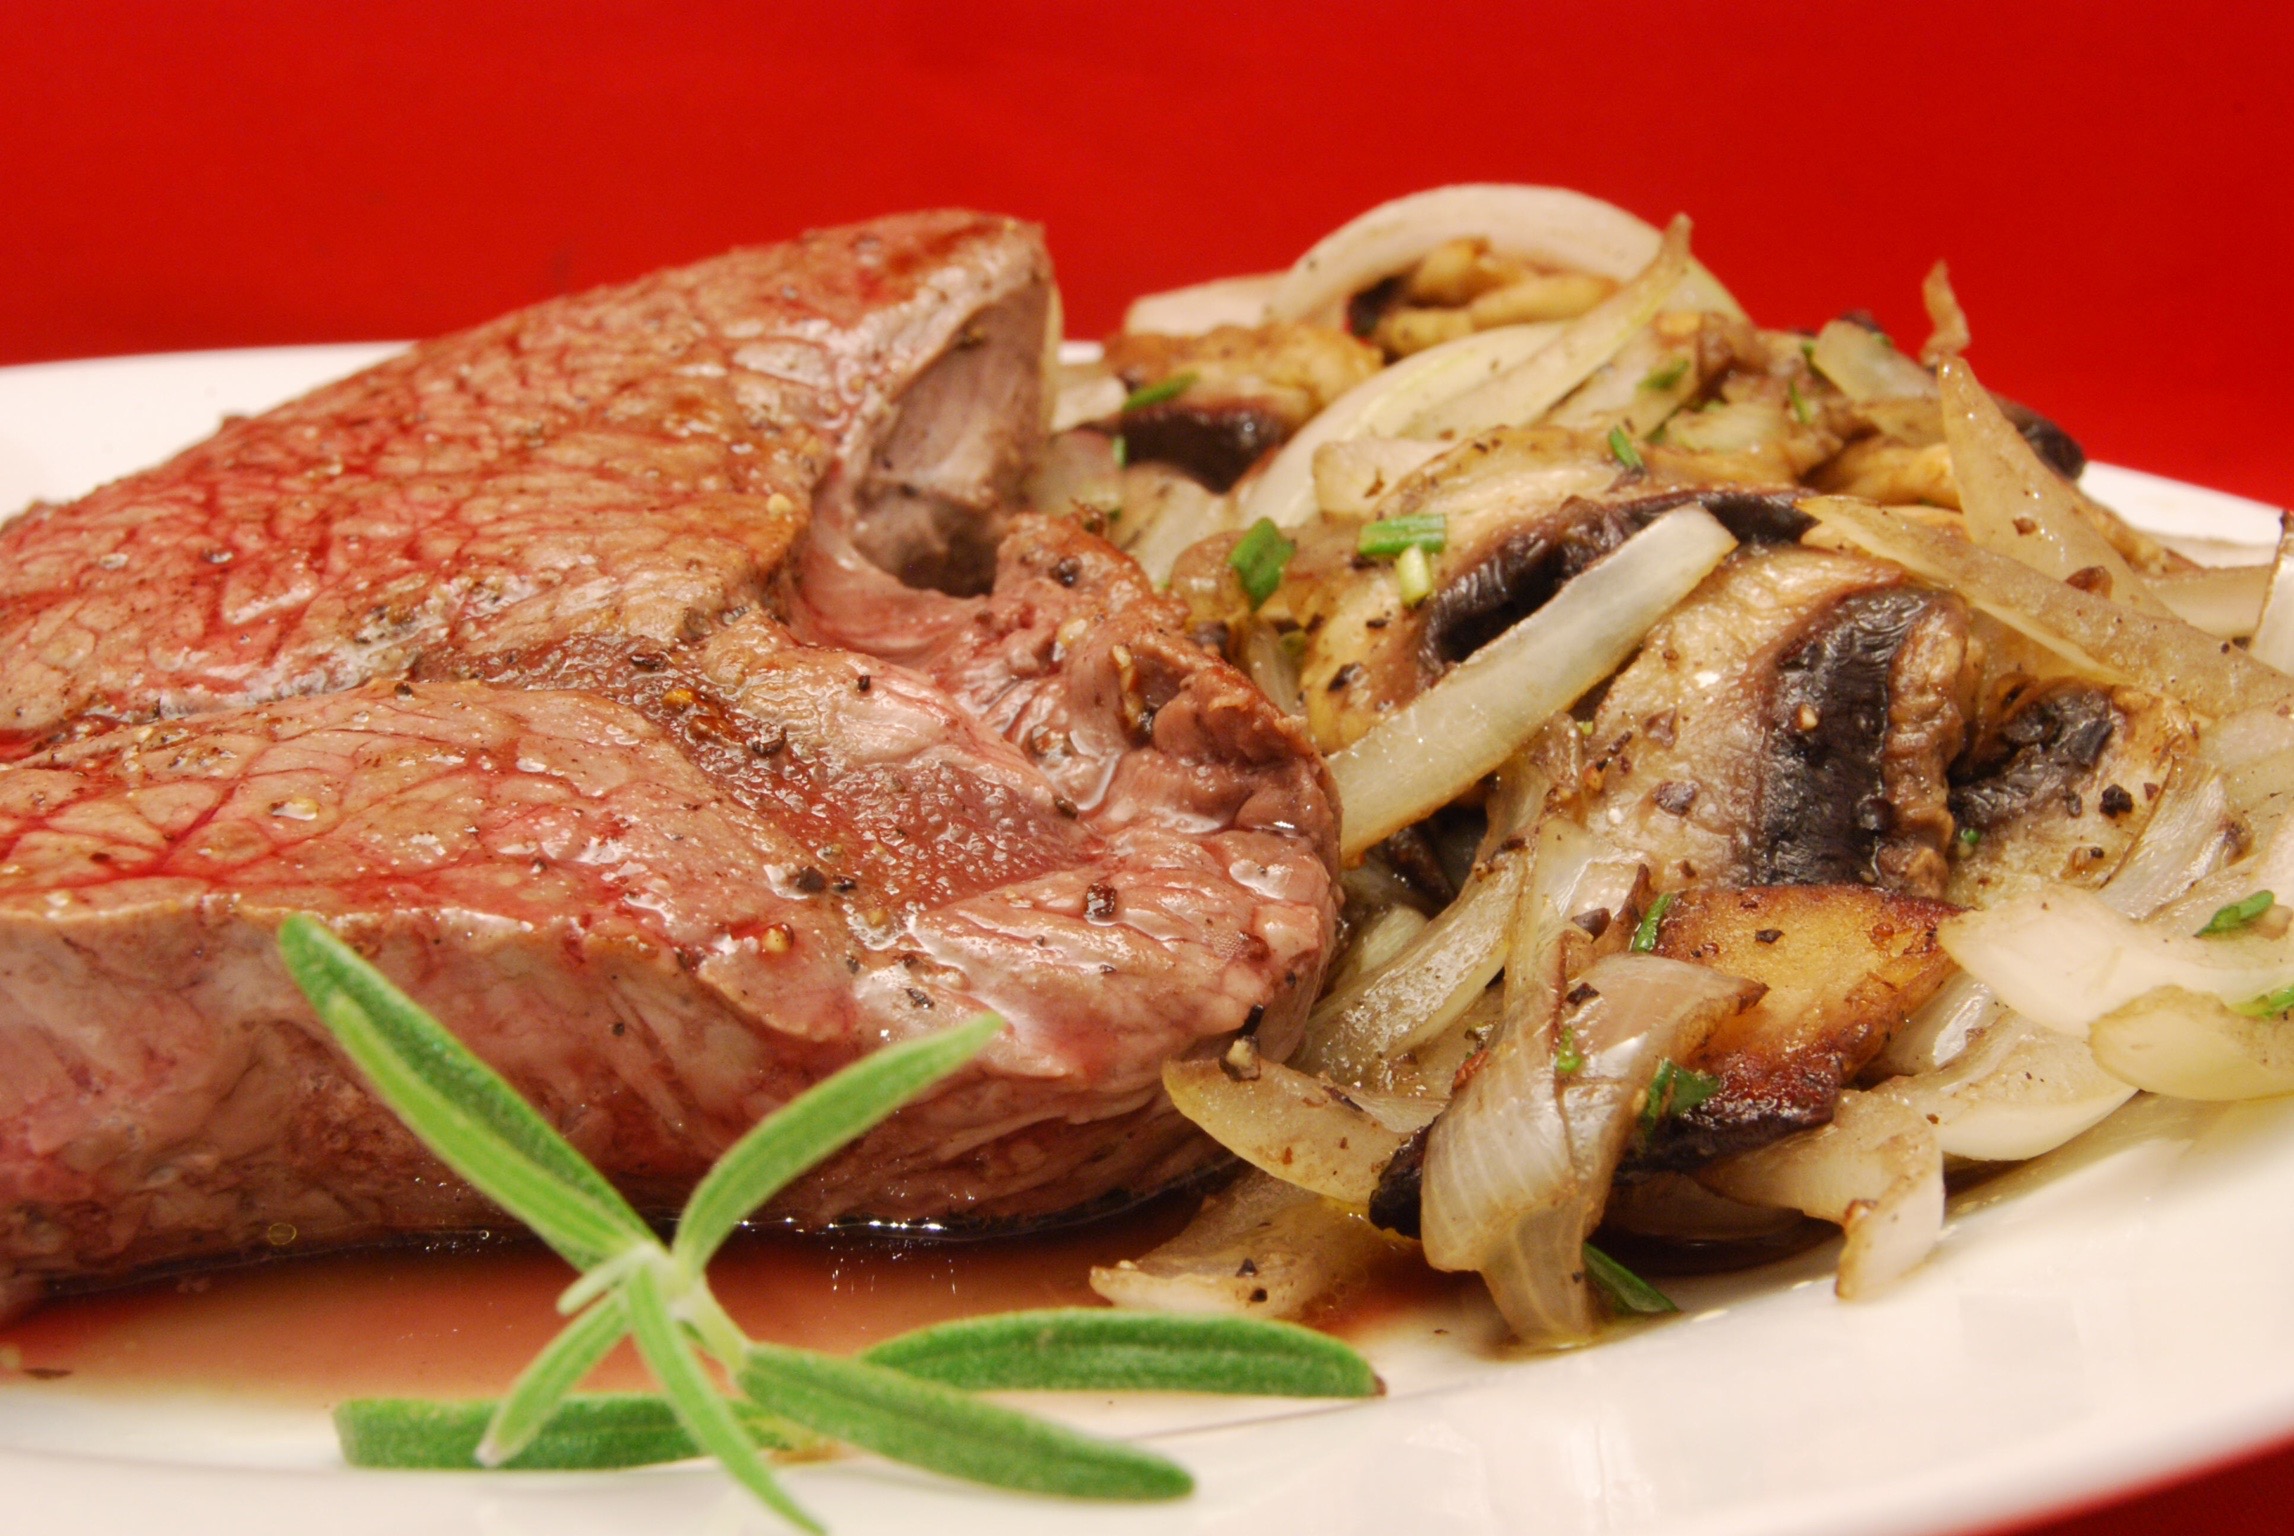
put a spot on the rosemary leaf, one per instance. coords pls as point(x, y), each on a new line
point(2238, 915)
point(1155, 394)
point(542, 1386)
point(1652, 922)
point(424, 1053)
point(707, 1417)
point(1622, 1291)
point(941, 1429)
point(590, 1432)
point(812, 1125)
point(1097, 1349)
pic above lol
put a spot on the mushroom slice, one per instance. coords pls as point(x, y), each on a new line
point(2060, 780)
point(1213, 403)
point(1844, 967)
point(1790, 724)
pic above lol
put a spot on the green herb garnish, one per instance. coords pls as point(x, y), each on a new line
point(1121, 450)
point(2237, 915)
point(1675, 1090)
point(1415, 575)
point(1621, 1290)
point(2268, 1004)
point(1621, 448)
point(588, 1432)
point(1968, 837)
point(1799, 401)
point(1568, 1059)
point(1096, 1349)
point(1667, 376)
point(1259, 560)
point(1388, 537)
point(1645, 935)
point(907, 1399)
point(1155, 394)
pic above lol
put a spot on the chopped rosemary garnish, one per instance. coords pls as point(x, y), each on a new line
point(1675, 1090)
point(1645, 936)
point(1415, 573)
point(1621, 1290)
point(1388, 537)
point(1621, 448)
point(1800, 410)
point(2237, 915)
point(1122, 451)
point(1155, 394)
point(633, 1285)
point(1568, 1059)
point(1667, 376)
point(1259, 560)
point(1968, 837)
point(2267, 1005)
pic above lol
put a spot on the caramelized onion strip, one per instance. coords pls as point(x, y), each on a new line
point(1427, 753)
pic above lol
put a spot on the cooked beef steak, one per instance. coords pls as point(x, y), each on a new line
point(559, 666)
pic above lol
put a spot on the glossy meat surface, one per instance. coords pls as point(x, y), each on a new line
point(667, 862)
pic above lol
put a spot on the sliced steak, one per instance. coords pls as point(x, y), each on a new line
point(664, 840)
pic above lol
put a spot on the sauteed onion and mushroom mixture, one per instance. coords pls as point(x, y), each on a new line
point(1771, 786)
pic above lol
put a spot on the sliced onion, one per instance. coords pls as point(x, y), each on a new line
point(2064, 958)
point(1185, 514)
point(2190, 830)
point(1353, 1031)
point(1551, 226)
point(1382, 939)
point(1939, 1029)
point(2102, 638)
point(1948, 334)
point(1272, 668)
point(2016, 506)
point(1518, 1167)
point(2224, 600)
point(1866, 366)
point(1299, 1128)
point(1381, 406)
point(1526, 391)
point(2188, 1045)
point(1202, 307)
point(2273, 643)
point(1260, 1248)
point(2018, 1090)
point(1876, 1171)
point(1425, 754)
point(1353, 475)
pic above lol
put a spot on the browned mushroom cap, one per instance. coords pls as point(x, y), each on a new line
point(1234, 392)
point(2059, 779)
point(1526, 510)
point(1791, 723)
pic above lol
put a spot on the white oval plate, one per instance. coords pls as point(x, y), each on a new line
point(2111, 1314)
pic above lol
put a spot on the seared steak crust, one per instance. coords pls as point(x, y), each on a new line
point(664, 841)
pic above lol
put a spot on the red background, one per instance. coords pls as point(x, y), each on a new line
point(2108, 182)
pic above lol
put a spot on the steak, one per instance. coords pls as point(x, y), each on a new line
point(654, 685)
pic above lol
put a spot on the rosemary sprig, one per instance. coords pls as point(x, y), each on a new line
point(906, 1400)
